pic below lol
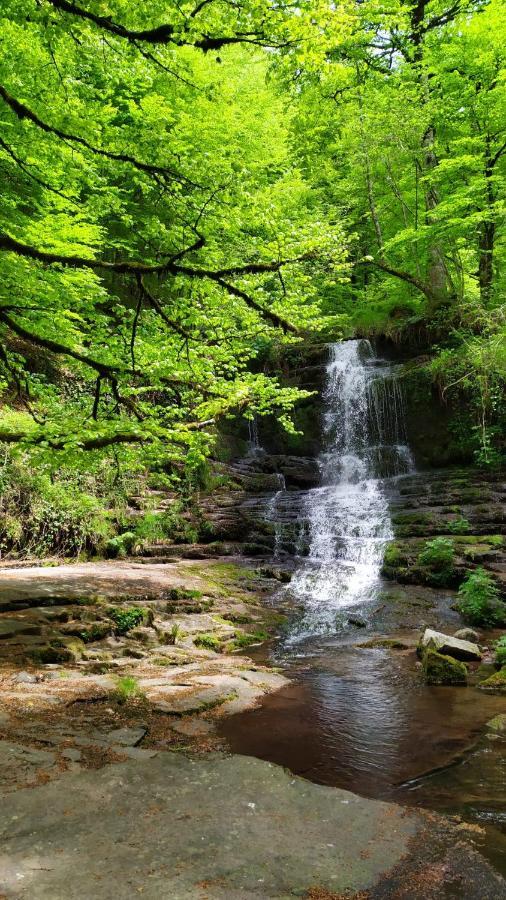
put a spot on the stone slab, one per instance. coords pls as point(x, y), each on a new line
point(450, 646)
point(224, 829)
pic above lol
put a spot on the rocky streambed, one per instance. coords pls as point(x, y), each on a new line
point(101, 659)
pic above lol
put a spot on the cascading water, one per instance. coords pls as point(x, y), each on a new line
point(347, 517)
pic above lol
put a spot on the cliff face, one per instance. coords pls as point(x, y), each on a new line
point(261, 509)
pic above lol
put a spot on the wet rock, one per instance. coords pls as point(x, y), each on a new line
point(194, 727)
point(441, 669)
point(358, 621)
point(384, 644)
point(449, 646)
point(498, 724)
point(467, 634)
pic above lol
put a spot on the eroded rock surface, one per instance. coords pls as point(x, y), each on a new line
point(225, 828)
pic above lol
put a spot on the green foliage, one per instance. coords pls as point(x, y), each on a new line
point(438, 554)
point(479, 602)
point(42, 514)
point(208, 642)
point(127, 689)
point(459, 526)
point(246, 639)
point(500, 651)
point(174, 633)
point(121, 545)
point(126, 618)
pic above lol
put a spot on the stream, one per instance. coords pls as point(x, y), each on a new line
point(360, 717)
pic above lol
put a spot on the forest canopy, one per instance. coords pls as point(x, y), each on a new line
point(188, 188)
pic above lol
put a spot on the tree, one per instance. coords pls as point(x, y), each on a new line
point(155, 234)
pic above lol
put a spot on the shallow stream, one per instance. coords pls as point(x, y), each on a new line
point(360, 717)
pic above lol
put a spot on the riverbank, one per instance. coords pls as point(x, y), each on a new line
point(225, 828)
point(99, 658)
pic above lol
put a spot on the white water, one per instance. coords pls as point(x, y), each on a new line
point(348, 516)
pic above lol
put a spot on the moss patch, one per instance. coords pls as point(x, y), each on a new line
point(441, 669)
point(496, 684)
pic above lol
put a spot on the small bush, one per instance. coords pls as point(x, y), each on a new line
point(126, 619)
point(208, 642)
point(438, 554)
point(437, 561)
point(120, 546)
point(173, 634)
point(459, 526)
point(127, 688)
point(479, 602)
point(500, 651)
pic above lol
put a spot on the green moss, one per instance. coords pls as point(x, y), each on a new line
point(246, 639)
point(127, 618)
point(496, 683)
point(97, 631)
point(393, 556)
point(384, 643)
point(441, 669)
point(208, 642)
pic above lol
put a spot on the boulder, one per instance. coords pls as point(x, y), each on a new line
point(441, 669)
point(467, 634)
point(449, 646)
point(357, 621)
point(497, 724)
point(496, 684)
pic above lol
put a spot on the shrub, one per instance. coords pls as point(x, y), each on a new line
point(127, 688)
point(208, 642)
point(44, 513)
point(438, 554)
point(126, 619)
point(459, 526)
point(500, 651)
point(437, 558)
point(479, 602)
point(120, 546)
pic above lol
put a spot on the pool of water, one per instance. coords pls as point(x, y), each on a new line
point(362, 719)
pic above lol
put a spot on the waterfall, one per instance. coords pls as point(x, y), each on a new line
point(347, 517)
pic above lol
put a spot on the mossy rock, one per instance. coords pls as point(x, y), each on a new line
point(384, 644)
point(496, 684)
point(66, 650)
point(440, 669)
point(498, 724)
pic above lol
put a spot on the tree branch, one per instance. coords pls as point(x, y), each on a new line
point(401, 274)
point(168, 267)
point(165, 33)
point(24, 112)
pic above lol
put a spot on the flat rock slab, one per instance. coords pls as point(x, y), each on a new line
point(450, 646)
point(224, 829)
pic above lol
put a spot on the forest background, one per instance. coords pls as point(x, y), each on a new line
point(193, 193)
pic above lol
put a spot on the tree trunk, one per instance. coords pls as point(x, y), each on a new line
point(486, 258)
